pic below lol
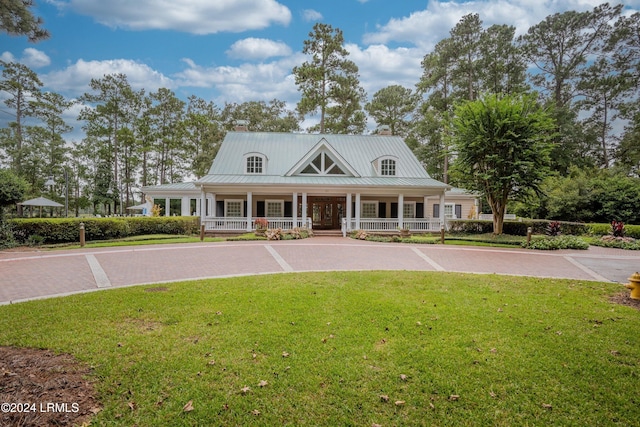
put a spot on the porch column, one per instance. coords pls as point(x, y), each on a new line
point(357, 211)
point(184, 206)
point(201, 204)
point(294, 210)
point(211, 205)
point(424, 209)
point(349, 213)
point(249, 210)
point(167, 206)
point(400, 210)
point(442, 218)
point(304, 207)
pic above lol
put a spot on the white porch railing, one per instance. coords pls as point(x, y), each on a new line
point(240, 223)
point(489, 217)
point(416, 225)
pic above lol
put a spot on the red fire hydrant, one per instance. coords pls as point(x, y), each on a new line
point(634, 285)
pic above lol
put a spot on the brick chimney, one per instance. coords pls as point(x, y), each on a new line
point(242, 126)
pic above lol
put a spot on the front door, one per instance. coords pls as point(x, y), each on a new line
point(326, 212)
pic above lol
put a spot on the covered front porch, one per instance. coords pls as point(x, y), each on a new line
point(374, 212)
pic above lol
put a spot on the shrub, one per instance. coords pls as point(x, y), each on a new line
point(617, 228)
point(553, 228)
point(65, 230)
point(604, 229)
point(558, 242)
point(617, 242)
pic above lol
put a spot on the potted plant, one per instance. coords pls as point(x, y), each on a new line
point(261, 225)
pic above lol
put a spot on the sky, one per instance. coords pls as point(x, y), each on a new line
point(245, 50)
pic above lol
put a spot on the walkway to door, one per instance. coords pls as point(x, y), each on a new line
point(31, 275)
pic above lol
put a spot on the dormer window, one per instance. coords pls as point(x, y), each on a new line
point(388, 167)
point(255, 164)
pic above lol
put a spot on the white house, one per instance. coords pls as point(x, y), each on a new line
point(332, 182)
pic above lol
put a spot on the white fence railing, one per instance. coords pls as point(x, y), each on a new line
point(489, 217)
point(415, 225)
point(240, 223)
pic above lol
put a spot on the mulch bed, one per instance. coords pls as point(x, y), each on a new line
point(623, 298)
point(40, 388)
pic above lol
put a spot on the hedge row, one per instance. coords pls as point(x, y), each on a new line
point(65, 230)
point(519, 228)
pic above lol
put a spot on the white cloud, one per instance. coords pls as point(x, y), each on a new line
point(381, 66)
point(311, 15)
point(254, 48)
point(74, 80)
point(246, 82)
point(32, 58)
point(191, 16)
point(35, 58)
point(427, 27)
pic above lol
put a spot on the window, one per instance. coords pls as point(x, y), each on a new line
point(369, 210)
point(409, 210)
point(254, 164)
point(322, 164)
point(388, 167)
point(233, 208)
point(274, 208)
point(449, 210)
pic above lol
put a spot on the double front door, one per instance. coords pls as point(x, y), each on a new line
point(326, 212)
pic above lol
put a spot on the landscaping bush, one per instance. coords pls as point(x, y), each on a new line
point(627, 243)
point(517, 228)
point(557, 242)
point(605, 229)
point(65, 230)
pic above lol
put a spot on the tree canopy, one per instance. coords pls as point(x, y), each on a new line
point(502, 146)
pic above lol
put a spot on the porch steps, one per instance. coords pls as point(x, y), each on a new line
point(327, 233)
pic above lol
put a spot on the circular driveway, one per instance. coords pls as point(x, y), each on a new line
point(30, 275)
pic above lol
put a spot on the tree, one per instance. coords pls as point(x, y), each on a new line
point(22, 84)
point(560, 47)
point(393, 106)
point(203, 134)
point(261, 116)
point(502, 147)
point(12, 190)
point(330, 83)
point(17, 20)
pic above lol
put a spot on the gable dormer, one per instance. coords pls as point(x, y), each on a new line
point(386, 165)
point(322, 160)
point(255, 163)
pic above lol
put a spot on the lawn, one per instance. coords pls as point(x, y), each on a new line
point(353, 348)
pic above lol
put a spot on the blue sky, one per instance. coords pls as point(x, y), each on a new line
point(242, 50)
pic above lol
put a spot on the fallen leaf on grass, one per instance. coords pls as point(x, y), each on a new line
point(262, 383)
point(493, 350)
point(245, 389)
point(454, 397)
point(188, 407)
point(547, 406)
point(132, 405)
point(431, 406)
point(285, 354)
point(399, 402)
point(384, 398)
point(403, 377)
point(211, 362)
point(615, 352)
point(376, 425)
point(255, 412)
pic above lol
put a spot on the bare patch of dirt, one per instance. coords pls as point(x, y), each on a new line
point(40, 388)
point(623, 298)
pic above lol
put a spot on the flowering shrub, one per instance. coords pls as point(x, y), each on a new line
point(553, 229)
point(261, 223)
point(558, 242)
point(617, 228)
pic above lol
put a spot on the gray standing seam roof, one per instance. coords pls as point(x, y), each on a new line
point(283, 150)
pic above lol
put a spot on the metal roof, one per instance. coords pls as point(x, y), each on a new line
point(322, 180)
point(284, 150)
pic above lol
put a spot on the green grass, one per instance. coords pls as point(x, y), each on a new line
point(149, 239)
point(506, 346)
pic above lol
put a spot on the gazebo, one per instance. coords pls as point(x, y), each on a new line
point(41, 202)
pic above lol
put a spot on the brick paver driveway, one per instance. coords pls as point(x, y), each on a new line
point(31, 275)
